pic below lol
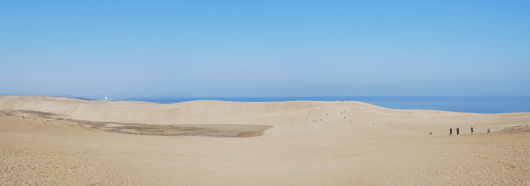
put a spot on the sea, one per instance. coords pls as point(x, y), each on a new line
point(486, 105)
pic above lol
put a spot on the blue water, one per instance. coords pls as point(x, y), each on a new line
point(489, 105)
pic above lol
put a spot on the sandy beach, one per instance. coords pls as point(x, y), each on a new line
point(293, 143)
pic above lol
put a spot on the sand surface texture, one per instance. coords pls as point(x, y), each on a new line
point(308, 143)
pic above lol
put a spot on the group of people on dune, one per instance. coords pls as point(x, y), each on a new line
point(458, 130)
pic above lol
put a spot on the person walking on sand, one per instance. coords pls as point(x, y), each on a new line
point(457, 131)
point(450, 131)
point(471, 130)
point(488, 131)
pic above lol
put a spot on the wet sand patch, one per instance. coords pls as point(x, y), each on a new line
point(210, 130)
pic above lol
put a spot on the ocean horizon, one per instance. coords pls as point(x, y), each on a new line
point(484, 105)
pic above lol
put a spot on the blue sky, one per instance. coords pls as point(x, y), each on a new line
point(265, 48)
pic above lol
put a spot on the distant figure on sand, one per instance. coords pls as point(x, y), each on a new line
point(488, 131)
point(450, 131)
point(471, 130)
point(457, 131)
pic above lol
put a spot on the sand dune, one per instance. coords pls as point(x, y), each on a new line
point(290, 119)
point(396, 150)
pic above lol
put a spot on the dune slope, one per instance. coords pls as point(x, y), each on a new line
point(310, 143)
point(38, 151)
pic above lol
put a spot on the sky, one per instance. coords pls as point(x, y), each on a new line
point(224, 48)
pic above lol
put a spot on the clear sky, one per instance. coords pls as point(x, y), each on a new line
point(265, 48)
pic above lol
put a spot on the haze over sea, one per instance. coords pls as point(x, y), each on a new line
point(486, 105)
